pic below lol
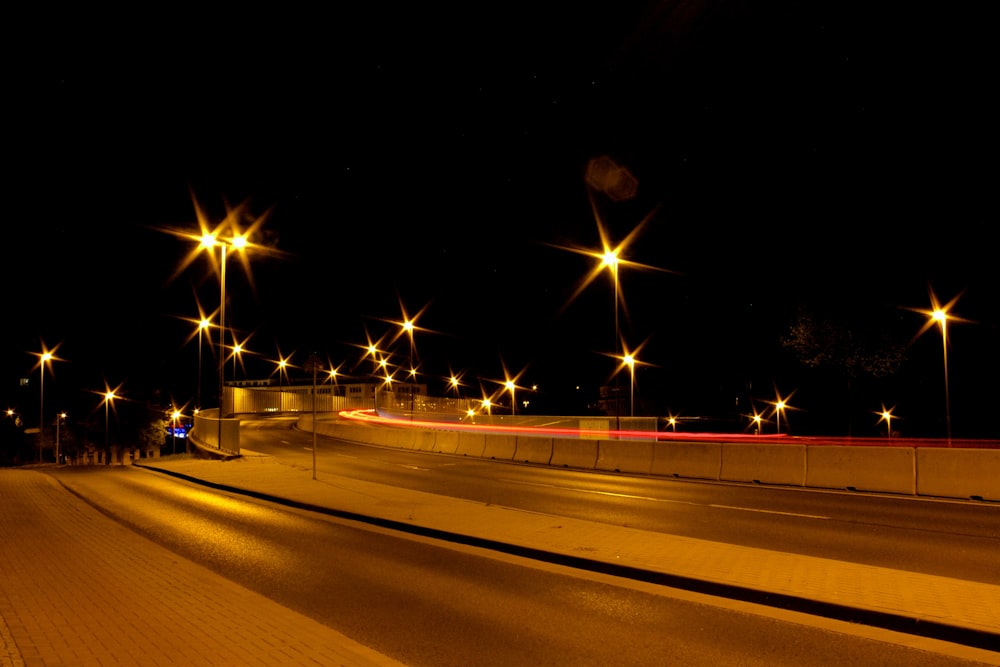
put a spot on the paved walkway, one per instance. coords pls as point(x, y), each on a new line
point(158, 591)
point(79, 589)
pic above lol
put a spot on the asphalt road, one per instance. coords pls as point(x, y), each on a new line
point(952, 538)
point(426, 602)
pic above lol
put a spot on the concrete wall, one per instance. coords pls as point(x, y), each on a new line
point(764, 463)
point(573, 453)
point(959, 473)
point(532, 449)
point(625, 456)
point(942, 472)
point(700, 460)
point(887, 469)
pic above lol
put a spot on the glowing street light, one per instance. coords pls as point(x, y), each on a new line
point(203, 325)
point(488, 406)
point(510, 386)
point(109, 397)
point(46, 356)
point(237, 351)
point(940, 315)
point(629, 361)
point(59, 419)
point(887, 417)
point(282, 368)
point(174, 416)
point(780, 405)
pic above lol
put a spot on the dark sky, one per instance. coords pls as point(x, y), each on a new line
point(829, 156)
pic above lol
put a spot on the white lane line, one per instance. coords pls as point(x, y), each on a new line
point(666, 500)
point(753, 509)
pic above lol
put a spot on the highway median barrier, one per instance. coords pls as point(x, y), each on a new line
point(764, 463)
point(495, 446)
point(634, 456)
point(885, 469)
point(959, 473)
point(572, 453)
point(698, 460)
point(533, 449)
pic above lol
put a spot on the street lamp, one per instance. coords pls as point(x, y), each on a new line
point(59, 417)
point(282, 363)
point(109, 396)
point(630, 362)
point(174, 416)
point(780, 405)
point(941, 315)
point(203, 325)
point(46, 356)
point(237, 242)
point(237, 351)
point(886, 416)
point(510, 386)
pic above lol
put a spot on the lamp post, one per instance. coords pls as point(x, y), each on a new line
point(610, 259)
point(173, 431)
point(237, 242)
point(940, 316)
point(46, 357)
point(202, 326)
point(630, 362)
point(237, 351)
point(886, 416)
point(59, 417)
point(109, 396)
point(510, 386)
point(313, 365)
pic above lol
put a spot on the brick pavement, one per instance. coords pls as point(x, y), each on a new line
point(79, 589)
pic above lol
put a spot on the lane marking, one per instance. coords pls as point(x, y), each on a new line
point(752, 509)
point(667, 500)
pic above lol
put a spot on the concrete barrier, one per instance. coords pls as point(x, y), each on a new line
point(572, 453)
point(399, 438)
point(425, 441)
point(446, 442)
point(533, 449)
point(943, 472)
point(499, 447)
point(699, 460)
point(625, 456)
point(887, 469)
point(763, 463)
point(959, 473)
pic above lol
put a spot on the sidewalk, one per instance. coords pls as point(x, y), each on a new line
point(79, 589)
point(942, 608)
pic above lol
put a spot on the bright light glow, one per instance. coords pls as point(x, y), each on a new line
point(887, 417)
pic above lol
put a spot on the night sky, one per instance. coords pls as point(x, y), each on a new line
point(830, 159)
